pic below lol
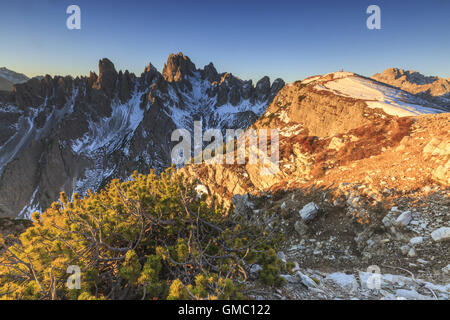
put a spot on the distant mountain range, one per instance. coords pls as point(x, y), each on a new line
point(61, 133)
point(433, 89)
point(9, 78)
point(74, 134)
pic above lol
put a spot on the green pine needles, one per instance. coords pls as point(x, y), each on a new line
point(152, 237)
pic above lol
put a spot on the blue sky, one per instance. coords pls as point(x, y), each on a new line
point(250, 38)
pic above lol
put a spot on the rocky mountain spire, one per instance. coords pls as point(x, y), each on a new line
point(209, 72)
point(107, 76)
point(150, 68)
point(177, 66)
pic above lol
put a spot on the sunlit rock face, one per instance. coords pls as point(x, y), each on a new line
point(341, 127)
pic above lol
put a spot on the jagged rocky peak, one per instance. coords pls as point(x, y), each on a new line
point(210, 73)
point(57, 89)
point(149, 75)
point(406, 75)
point(107, 76)
point(108, 84)
point(150, 68)
point(225, 87)
point(263, 84)
point(126, 85)
point(92, 78)
point(263, 88)
point(277, 85)
point(105, 67)
point(74, 134)
point(178, 66)
point(32, 92)
point(431, 88)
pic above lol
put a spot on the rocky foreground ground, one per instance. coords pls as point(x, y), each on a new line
point(402, 252)
point(363, 199)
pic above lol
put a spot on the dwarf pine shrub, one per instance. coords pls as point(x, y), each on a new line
point(149, 238)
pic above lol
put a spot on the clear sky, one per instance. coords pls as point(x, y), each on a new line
point(250, 38)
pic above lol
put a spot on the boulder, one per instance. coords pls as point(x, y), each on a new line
point(387, 220)
point(242, 205)
point(441, 234)
point(446, 269)
point(404, 249)
point(309, 212)
point(411, 253)
point(403, 219)
point(346, 281)
point(307, 281)
point(281, 256)
point(301, 228)
point(416, 240)
point(254, 270)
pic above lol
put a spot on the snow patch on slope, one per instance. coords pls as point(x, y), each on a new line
point(30, 207)
point(291, 130)
point(92, 179)
point(24, 133)
point(226, 114)
point(197, 105)
point(393, 101)
point(107, 133)
point(27, 131)
point(104, 137)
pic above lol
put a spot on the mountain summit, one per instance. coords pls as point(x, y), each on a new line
point(341, 121)
point(178, 67)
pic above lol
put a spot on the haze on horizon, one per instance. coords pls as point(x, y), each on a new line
point(287, 39)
